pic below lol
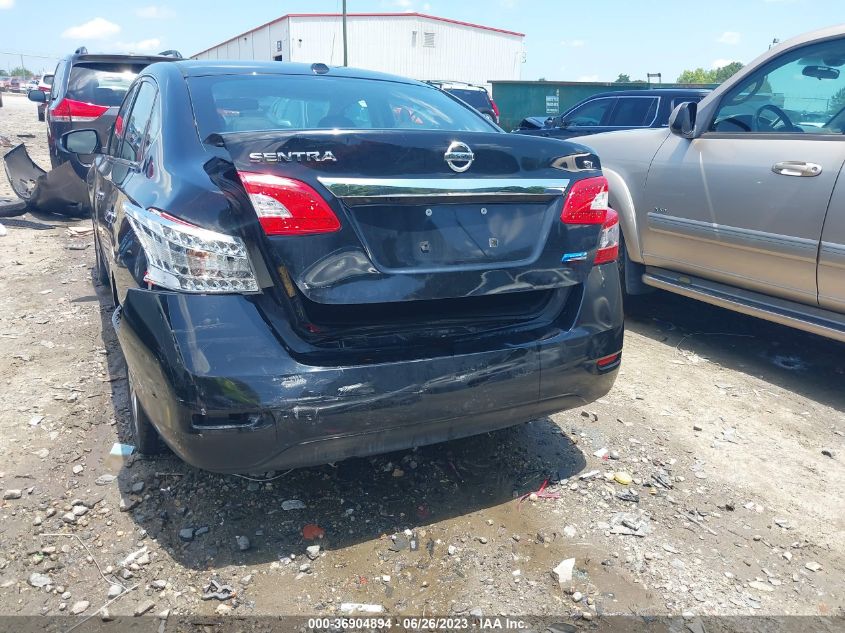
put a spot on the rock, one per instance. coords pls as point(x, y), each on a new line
point(127, 504)
point(12, 493)
point(730, 506)
point(697, 427)
point(142, 608)
point(452, 550)
point(563, 572)
point(137, 487)
point(186, 534)
point(159, 585)
point(201, 530)
point(69, 517)
point(783, 523)
point(829, 452)
point(223, 609)
point(105, 616)
point(614, 454)
point(104, 480)
point(163, 615)
point(80, 607)
point(305, 568)
point(761, 586)
point(243, 543)
point(312, 551)
point(398, 472)
point(787, 556)
point(577, 596)
point(533, 496)
point(587, 615)
point(482, 540)
point(246, 580)
point(115, 591)
point(813, 566)
point(39, 580)
point(623, 478)
point(80, 511)
point(76, 471)
point(143, 559)
point(293, 504)
point(569, 531)
point(476, 612)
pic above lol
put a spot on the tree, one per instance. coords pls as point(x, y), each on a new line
point(837, 101)
point(714, 76)
point(623, 79)
point(20, 71)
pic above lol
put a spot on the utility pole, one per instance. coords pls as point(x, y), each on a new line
point(345, 56)
point(22, 66)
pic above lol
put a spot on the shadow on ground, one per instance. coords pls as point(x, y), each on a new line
point(794, 360)
point(352, 501)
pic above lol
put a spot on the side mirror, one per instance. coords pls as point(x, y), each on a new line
point(37, 96)
point(81, 142)
point(682, 120)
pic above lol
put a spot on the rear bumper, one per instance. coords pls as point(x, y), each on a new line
point(227, 396)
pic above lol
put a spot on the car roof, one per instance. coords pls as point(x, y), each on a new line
point(653, 92)
point(106, 58)
point(205, 68)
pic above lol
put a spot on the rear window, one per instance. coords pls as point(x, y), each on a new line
point(475, 98)
point(240, 103)
point(103, 84)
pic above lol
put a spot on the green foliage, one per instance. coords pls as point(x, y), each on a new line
point(714, 76)
point(623, 79)
point(20, 71)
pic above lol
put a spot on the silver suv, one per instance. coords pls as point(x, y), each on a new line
point(741, 202)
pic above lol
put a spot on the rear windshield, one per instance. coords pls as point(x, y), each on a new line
point(103, 84)
point(240, 103)
point(476, 98)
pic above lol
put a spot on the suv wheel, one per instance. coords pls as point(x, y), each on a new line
point(147, 440)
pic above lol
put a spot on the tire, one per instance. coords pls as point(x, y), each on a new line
point(147, 440)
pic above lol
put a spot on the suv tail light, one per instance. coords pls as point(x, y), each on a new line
point(183, 256)
point(288, 207)
point(68, 110)
point(608, 249)
point(586, 202)
point(495, 108)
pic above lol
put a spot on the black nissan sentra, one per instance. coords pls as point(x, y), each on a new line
point(315, 263)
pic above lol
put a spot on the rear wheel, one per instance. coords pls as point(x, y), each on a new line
point(147, 440)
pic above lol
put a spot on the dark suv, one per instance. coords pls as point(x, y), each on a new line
point(86, 93)
point(312, 264)
point(613, 111)
point(475, 96)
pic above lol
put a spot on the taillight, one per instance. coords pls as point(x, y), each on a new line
point(186, 257)
point(288, 207)
point(586, 202)
point(68, 110)
point(608, 249)
point(495, 108)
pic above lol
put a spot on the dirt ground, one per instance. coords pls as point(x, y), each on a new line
point(731, 430)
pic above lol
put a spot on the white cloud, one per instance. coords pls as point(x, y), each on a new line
point(96, 29)
point(729, 37)
point(588, 78)
point(573, 43)
point(154, 12)
point(7, 4)
point(405, 5)
point(141, 46)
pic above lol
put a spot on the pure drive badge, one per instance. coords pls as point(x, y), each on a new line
point(291, 157)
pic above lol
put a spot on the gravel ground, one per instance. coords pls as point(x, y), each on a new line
point(709, 481)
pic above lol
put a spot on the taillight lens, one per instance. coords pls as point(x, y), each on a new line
point(68, 110)
point(495, 107)
point(183, 256)
point(288, 207)
point(608, 249)
point(586, 202)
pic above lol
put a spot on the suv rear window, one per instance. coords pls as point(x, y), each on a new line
point(103, 84)
point(240, 103)
point(476, 98)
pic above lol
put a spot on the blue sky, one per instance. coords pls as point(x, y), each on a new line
point(590, 40)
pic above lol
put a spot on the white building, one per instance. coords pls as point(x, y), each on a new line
point(408, 44)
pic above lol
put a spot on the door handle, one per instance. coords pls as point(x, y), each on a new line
point(797, 168)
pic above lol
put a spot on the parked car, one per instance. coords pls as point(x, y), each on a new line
point(305, 273)
point(32, 84)
point(741, 202)
point(612, 111)
point(45, 86)
point(476, 96)
point(4, 83)
point(15, 84)
point(86, 92)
